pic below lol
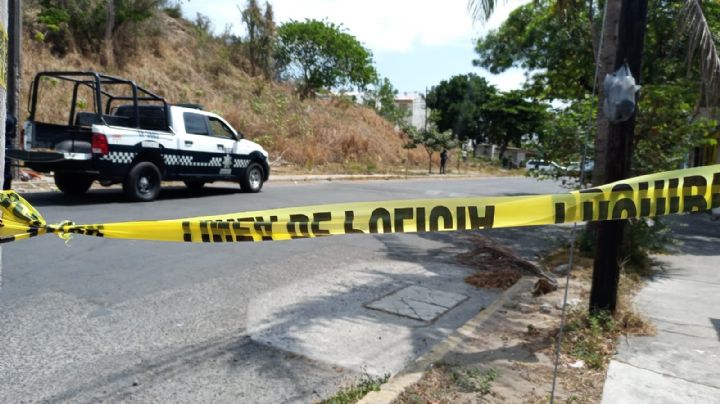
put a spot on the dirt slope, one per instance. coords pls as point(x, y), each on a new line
point(183, 65)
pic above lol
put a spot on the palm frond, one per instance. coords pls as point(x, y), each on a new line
point(702, 43)
point(481, 10)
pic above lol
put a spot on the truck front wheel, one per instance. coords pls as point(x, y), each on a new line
point(72, 184)
point(143, 182)
point(252, 179)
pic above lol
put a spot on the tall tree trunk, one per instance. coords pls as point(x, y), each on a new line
point(109, 59)
point(503, 148)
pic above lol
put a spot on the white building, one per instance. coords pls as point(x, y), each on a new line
point(414, 104)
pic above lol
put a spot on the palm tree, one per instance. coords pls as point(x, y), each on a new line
point(693, 20)
point(700, 43)
point(481, 10)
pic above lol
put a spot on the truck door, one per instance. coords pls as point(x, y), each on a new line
point(203, 154)
point(224, 136)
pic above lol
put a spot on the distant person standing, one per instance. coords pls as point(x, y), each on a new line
point(10, 132)
point(443, 160)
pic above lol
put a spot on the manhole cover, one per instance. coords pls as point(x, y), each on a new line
point(418, 303)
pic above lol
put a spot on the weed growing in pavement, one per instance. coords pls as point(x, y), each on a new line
point(355, 392)
point(590, 336)
point(474, 379)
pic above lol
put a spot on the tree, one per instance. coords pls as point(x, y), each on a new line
point(562, 140)
point(87, 26)
point(252, 18)
point(431, 139)
point(537, 37)
point(630, 20)
point(109, 23)
point(267, 43)
point(458, 103)
point(532, 37)
point(702, 43)
point(382, 98)
point(319, 55)
point(473, 109)
point(509, 117)
point(261, 36)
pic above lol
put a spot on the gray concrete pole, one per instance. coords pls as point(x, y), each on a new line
point(14, 29)
point(3, 94)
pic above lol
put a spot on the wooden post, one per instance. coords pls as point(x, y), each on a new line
point(609, 246)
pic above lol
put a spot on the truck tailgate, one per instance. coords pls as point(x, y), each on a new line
point(60, 138)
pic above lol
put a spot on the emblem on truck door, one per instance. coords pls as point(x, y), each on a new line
point(227, 163)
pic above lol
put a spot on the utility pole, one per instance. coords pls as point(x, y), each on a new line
point(608, 249)
point(3, 88)
point(14, 63)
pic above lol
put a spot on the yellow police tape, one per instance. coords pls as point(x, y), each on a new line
point(688, 190)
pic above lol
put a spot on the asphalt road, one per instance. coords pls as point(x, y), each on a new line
point(106, 320)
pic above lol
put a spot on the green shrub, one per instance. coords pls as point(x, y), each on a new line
point(80, 25)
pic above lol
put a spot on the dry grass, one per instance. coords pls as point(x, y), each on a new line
point(500, 279)
point(489, 255)
point(184, 66)
point(497, 267)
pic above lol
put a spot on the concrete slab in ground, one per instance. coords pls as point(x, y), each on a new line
point(418, 303)
point(629, 384)
point(325, 318)
point(682, 362)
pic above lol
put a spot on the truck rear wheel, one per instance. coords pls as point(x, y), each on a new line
point(252, 179)
point(143, 182)
point(72, 184)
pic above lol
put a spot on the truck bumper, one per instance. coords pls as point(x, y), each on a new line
point(46, 156)
point(46, 161)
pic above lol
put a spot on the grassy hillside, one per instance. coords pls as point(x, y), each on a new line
point(180, 62)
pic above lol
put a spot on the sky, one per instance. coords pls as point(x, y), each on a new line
point(415, 43)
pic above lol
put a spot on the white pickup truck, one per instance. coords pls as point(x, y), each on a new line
point(134, 137)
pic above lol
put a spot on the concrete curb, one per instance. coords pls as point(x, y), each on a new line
point(371, 177)
point(335, 177)
point(414, 372)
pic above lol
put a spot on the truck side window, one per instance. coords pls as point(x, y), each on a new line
point(195, 124)
point(219, 129)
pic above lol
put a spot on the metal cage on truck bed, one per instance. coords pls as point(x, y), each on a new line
point(101, 85)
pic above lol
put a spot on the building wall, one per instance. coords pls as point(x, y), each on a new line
point(415, 104)
point(514, 155)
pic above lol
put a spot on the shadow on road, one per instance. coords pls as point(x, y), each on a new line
point(327, 325)
point(298, 323)
point(694, 234)
point(136, 383)
point(112, 195)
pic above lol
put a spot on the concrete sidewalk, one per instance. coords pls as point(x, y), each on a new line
point(681, 364)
